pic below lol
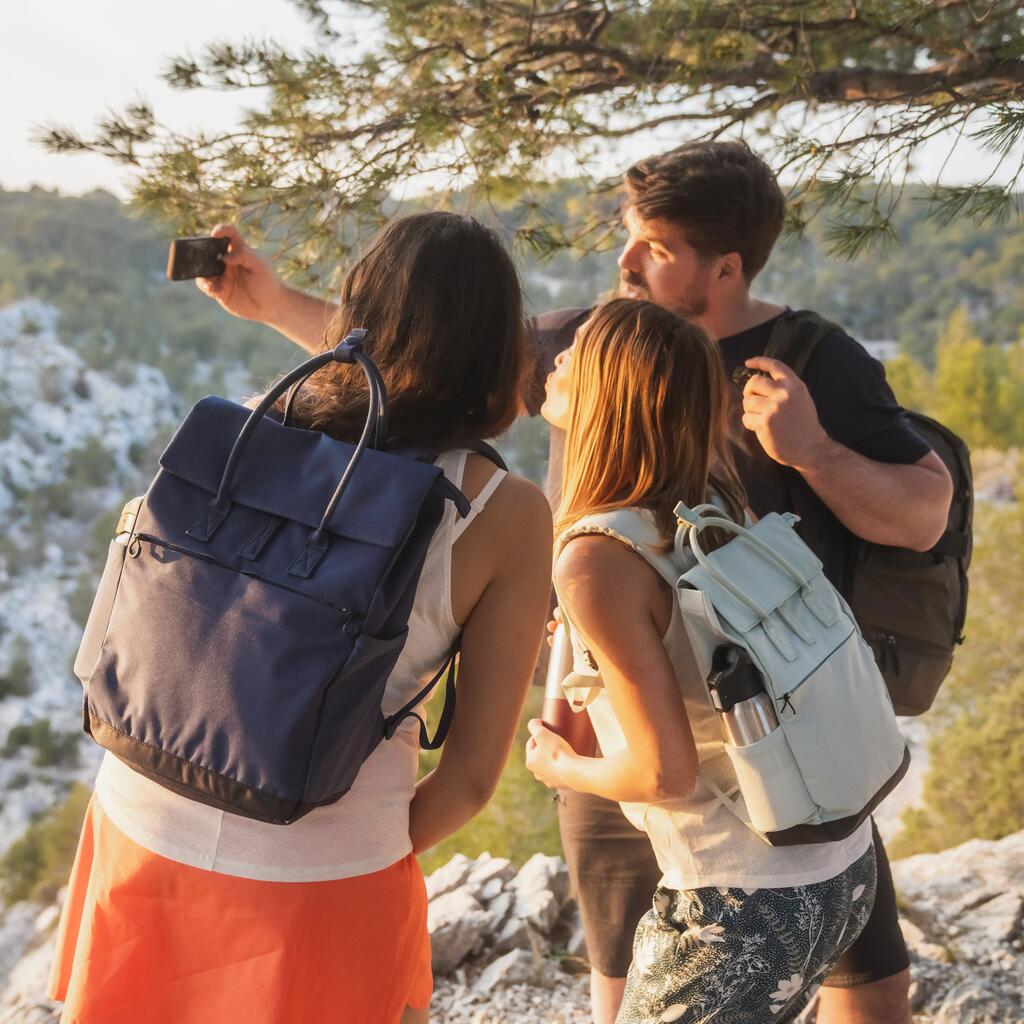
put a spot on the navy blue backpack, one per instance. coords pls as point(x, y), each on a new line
point(251, 612)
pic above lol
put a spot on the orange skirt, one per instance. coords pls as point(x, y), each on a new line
point(144, 938)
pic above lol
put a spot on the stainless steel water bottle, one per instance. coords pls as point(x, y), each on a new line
point(557, 714)
point(744, 706)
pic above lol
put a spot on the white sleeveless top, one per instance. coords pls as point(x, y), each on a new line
point(698, 842)
point(366, 830)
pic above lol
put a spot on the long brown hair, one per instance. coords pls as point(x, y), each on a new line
point(440, 298)
point(648, 417)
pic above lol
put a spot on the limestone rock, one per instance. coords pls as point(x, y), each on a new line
point(458, 925)
point(538, 908)
point(542, 873)
point(517, 968)
point(449, 877)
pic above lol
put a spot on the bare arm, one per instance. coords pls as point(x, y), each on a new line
point(901, 505)
point(250, 290)
point(622, 609)
point(500, 640)
point(302, 318)
point(905, 506)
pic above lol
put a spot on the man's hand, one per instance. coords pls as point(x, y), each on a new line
point(778, 408)
point(248, 288)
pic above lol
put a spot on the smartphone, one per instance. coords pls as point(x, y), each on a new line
point(743, 373)
point(201, 256)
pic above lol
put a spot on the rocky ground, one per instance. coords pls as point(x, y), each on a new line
point(508, 948)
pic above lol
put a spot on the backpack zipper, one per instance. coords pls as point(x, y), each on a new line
point(887, 647)
point(349, 616)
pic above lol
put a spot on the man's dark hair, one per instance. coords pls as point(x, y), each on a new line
point(721, 194)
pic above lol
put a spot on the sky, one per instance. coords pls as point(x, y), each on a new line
point(70, 61)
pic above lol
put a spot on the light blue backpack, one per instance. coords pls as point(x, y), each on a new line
point(837, 751)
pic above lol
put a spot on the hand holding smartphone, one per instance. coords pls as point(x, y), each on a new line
point(199, 256)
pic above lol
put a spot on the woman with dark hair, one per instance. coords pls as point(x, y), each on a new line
point(179, 912)
point(739, 930)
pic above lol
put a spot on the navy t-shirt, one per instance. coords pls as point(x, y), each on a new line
point(855, 404)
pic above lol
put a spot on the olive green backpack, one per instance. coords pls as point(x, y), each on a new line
point(910, 605)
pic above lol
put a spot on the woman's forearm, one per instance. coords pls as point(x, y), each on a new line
point(441, 808)
point(621, 777)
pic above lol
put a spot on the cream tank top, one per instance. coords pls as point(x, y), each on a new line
point(366, 830)
point(696, 841)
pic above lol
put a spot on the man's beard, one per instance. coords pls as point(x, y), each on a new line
point(692, 303)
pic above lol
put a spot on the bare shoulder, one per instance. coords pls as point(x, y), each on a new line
point(594, 569)
point(517, 508)
point(602, 580)
point(592, 555)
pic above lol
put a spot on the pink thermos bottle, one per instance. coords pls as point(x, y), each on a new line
point(573, 726)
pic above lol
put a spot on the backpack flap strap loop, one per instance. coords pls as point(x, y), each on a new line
point(213, 515)
point(259, 538)
point(821, 611)
point(349, 351)
point(305, 562)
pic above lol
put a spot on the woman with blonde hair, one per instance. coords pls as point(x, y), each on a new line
point(739, 931)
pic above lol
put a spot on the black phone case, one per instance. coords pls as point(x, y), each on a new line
point(196, 257)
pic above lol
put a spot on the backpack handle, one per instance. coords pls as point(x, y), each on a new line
point(729, 526)
point(350, 350)
point(381, 434)
point(696, 520)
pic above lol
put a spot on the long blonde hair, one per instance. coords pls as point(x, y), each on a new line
point(648, 418)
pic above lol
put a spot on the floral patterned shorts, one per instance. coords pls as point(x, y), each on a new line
point(743, 956)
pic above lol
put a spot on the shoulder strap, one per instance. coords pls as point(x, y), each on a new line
point(469, 511)
point(481, 448)
point(795, 336)
point(635, 531)
point(477, 504)
point(638, 534)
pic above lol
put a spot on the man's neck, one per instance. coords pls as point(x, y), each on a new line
point(738, 317)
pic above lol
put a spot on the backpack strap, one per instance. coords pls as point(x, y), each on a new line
point(795, 336)
point(408, 710)
point(640, 535)
point(469, 511)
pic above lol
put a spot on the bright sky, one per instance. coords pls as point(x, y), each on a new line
point(69, 61)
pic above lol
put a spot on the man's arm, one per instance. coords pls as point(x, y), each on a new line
point(250, 290)
point(899, 505)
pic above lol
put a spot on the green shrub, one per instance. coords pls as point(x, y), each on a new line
point(17, 680)
point(7, 414)
point(38, 864)
point(81, 596)
point(973, 789)
point(53, 749)
point(90, 465)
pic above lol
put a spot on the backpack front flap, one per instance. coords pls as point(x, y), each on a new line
point(838, 750)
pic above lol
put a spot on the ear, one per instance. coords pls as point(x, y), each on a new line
point(730, 267)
